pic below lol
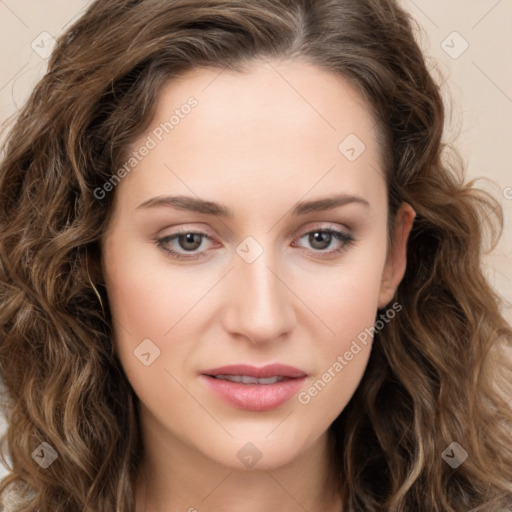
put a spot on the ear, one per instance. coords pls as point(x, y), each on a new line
point(394, 268)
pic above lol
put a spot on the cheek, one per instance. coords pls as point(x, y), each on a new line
point(147, 296)
point(348, 306)
point(153, 300)
point(345, 297)
point(341, 359)
point(144, 303)
point(349, 310)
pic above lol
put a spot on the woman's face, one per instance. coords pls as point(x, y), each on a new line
point(274, 180)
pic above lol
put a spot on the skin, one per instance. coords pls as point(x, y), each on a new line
point(258, 142)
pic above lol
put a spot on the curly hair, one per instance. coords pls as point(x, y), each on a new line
point(437, 374)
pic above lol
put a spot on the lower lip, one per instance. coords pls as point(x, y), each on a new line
point(254, 397)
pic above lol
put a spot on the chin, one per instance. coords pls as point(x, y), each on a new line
point(258, 453)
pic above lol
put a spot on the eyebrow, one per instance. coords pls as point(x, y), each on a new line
point(197, 205)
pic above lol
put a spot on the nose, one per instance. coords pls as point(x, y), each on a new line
point(259, 306)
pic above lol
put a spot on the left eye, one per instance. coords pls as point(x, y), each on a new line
point(321, 239)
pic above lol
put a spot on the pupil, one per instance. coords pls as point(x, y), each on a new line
point(190, 238)
point(321, 237)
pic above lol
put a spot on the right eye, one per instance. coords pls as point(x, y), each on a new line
point(184, 242)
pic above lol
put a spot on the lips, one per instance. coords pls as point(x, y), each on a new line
point(245, 379)
point(271, 370)
point(254, 389)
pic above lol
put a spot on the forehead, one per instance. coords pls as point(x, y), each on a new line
point(312, 103)
point(280, 125)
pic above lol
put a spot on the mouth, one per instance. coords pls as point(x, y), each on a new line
point(246, 379)
point(254, 389)
point(266, 372)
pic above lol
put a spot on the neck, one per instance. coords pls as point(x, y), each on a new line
point(175, 477)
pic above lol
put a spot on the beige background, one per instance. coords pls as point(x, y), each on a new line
point(469, 41)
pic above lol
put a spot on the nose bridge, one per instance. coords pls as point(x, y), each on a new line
point(260, 307)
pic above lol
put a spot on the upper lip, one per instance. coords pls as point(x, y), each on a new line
point(271, 370)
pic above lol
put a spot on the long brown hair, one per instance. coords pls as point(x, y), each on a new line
point(436, 373)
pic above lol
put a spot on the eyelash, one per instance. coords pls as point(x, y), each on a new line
point(341, 236)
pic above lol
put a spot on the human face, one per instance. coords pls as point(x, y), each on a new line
point(259, 287)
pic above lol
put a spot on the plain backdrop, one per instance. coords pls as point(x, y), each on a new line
point(468, 42)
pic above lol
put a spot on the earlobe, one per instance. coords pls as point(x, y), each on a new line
point(395, 266)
